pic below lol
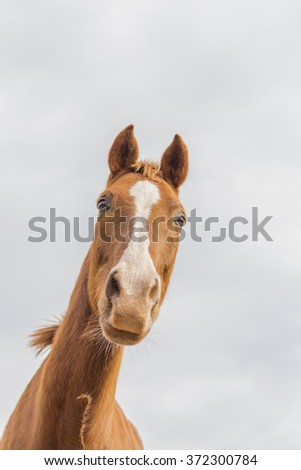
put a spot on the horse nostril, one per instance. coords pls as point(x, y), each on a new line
point(112, 287)
point(155, 290)
point(115, 284)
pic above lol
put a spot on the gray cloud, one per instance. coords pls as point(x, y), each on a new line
point(221, 368)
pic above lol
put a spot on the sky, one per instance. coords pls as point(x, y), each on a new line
point(221, 367)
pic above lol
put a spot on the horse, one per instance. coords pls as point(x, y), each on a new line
point(70, 401)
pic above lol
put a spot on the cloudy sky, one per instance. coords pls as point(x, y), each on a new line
point(221, 368)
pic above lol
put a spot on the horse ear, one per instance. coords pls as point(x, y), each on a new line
point(174, 162)
point(124, 151)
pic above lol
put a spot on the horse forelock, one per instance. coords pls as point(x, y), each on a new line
point(148, 169)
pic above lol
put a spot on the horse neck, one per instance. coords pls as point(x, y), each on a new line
point(81, 371)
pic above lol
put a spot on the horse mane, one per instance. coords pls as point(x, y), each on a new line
point(43, 338)
point(148, 169)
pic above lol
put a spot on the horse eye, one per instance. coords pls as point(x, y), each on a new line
point(180, 220)
point(103, 204)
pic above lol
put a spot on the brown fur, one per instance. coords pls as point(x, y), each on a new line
point(70, 402)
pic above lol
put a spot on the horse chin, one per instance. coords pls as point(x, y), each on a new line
point(113, 334)
point(120, 337)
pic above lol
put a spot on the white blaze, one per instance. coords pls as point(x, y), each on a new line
point(146, 195)
point(136, 264)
